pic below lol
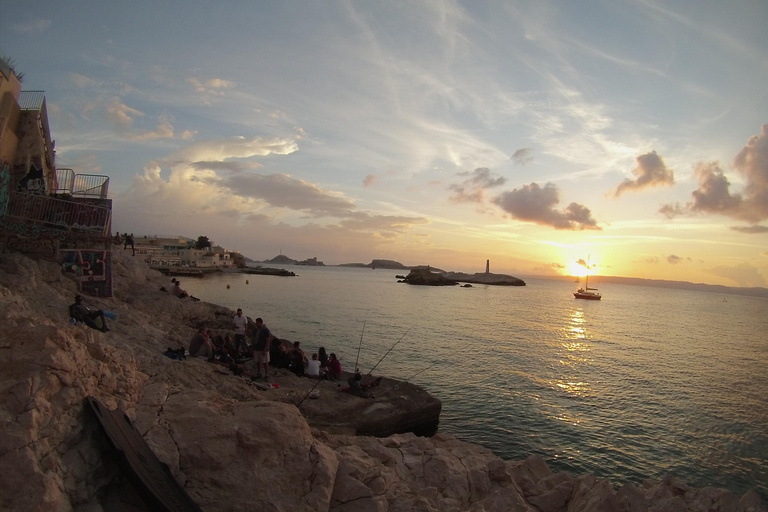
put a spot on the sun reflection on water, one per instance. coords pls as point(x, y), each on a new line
point(574, 353)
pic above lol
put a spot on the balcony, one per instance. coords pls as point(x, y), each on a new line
point(41, 216)
point(92, 186)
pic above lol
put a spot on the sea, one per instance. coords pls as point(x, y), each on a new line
point(644, 383)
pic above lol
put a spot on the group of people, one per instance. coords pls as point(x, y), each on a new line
point(125, 240)
point(265, 350)
point(177, 291)
point(235, 351)
point(321, 365)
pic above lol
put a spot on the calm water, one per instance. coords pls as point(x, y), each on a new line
point(644, 383)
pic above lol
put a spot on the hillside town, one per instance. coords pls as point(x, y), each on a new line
point(159, 251)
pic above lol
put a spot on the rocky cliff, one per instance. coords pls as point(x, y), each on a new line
point(231, 446)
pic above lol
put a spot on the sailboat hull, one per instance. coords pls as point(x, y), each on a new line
point(587, 295)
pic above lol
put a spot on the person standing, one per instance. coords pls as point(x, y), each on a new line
point(240, 323)
point(129, 241)
point(261, 349)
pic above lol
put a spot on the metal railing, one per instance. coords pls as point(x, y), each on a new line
point(81, 185)
point(65, 180)
point(32, 212)
point(90, 185)
point(31, 100)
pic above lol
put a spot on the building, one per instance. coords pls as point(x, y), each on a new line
point(159, 251)
point(47, 212)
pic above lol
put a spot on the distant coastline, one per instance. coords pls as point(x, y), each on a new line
point(758, 292)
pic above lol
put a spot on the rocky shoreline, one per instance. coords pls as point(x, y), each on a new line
point(231, 446)
point(425, 277)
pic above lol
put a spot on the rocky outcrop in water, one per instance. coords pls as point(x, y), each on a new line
point(424, 277)
point(485, 278)
point(231, 446)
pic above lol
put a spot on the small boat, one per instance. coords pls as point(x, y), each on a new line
point(587, 292)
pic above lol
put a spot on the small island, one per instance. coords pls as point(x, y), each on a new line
point(425, 277)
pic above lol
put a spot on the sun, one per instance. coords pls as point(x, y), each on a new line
point(574, 269)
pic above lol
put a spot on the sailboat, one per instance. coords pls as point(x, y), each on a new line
point(587, 292)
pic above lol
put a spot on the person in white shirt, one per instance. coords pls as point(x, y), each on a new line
point(313, 368)
point(240, 323)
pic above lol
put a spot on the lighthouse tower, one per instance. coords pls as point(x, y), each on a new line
point(487, 266)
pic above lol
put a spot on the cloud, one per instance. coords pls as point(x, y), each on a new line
point(218, 83)
point(212, 86)
point(471, 190)
point(650, 172)
point(283, 191)
point(121, 115)
point(673, 260)
point(752, 162)
point(237, 147)
point(82, 81)
point(714, 195)
point(743, 274)
point(369, 180)
point(751, 230)
point(164, 130)
point(387, 226)
point(651, 260)
point(231, 166)
point(36, 25)
point(532, 203)
point(522, 156)
point(215, 193)
point(672, 210)
point(582, 263)
point(82, 164)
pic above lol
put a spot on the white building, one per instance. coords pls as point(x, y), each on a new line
point(180, 251)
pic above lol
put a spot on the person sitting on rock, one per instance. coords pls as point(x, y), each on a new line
point(298, 359)
point(200, 345)
point(278, 355)
point(228, 351)
point(81, 313)
point(178, 291)
point(313, 368)
point(334, 367)
point(356, 387)
point(323, 356)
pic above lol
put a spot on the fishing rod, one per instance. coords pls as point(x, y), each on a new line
point(385, 355)
point(310, 392)
point(319, 380)
point(359, 347)
point(409, 378)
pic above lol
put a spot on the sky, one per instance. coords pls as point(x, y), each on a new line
point(632, 134)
